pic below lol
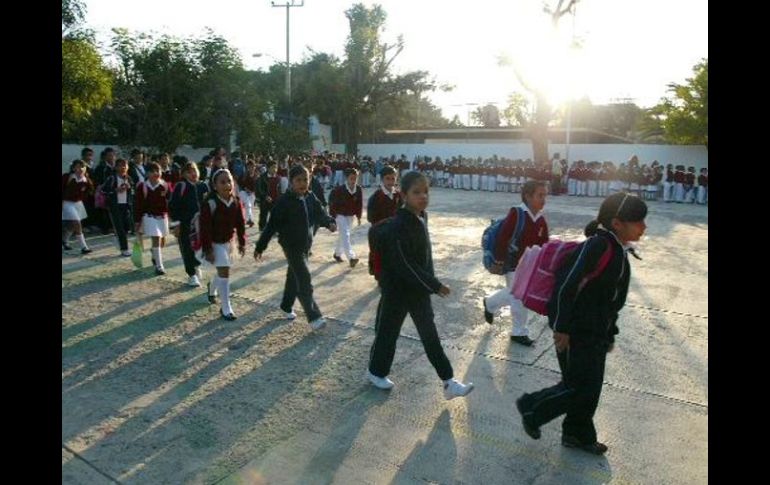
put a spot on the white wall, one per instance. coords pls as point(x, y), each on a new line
point(70, 152)
point(694, 155)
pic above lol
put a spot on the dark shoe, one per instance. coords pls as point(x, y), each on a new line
point(488, 316)
point(353, 262)
point(229, 317)
point(523, 340)
point(593, 448)
point(250, 223)
point(159, 272)
point(66, 246)
point(212, 298)
point(337, 258)
point(310, 253)
point(86, 251)
point(153, 262)
point(526, 417)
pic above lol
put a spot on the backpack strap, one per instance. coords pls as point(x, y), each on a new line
point(520, 221)
point(604, 261)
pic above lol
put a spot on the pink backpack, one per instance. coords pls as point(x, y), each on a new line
point(535, 274)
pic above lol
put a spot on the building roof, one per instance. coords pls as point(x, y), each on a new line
point(555, 135)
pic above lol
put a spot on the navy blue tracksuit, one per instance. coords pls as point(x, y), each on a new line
point(407, 281)
point(589, 317)
point(293, 218)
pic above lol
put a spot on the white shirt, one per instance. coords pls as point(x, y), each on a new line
point(122, 196)
point(532, 216)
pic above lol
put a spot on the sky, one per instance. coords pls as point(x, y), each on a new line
point(628, 48)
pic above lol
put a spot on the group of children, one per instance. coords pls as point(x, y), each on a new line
point(213, 210)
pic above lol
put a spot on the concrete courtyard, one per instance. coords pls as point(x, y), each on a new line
point(157, 389)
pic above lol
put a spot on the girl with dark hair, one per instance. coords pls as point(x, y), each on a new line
point(151, 212)
point(221, 216)
point(185, 202)
point(75, 189)
point(346, 202)
point(407, 281)
point(583, 316)
point(119, 190)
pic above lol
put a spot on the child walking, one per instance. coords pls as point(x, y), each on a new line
point(184, 204)
point(508, 252)
point(76, 188)
point(119, 190)
point(407, 282)
point(346, 201)
point(382, 204)
point(583, 316)
point(293, 217)
point(221, 216)
point(151, 212)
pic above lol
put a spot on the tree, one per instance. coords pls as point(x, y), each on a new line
point(488, 116)
point(86, 82)
point(683, 118)
point(543, 112)
point(369, 81)
point(519, 111)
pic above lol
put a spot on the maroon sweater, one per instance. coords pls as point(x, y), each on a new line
point(381, 206)
point(344, 204)
point(679, 177)
point(77, 191)
point(219, 228)
point(155, 204)
point(703, 180)
point(534, 233)
point(248, 183)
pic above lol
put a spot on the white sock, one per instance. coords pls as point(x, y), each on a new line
point(224, 292)
point(156, 253)
point(214, 285)
point(82, 240)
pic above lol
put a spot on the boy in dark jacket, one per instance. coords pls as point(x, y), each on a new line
point(293, 217)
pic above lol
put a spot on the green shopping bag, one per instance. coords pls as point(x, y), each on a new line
point(136, 253)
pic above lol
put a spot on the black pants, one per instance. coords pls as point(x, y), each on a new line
point(577, 395)
point(298, 285)
point(185, 247)
point(264, 211)
point(391, 312)
point(120, 215)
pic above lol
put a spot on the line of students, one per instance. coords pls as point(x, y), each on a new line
point(584, 319)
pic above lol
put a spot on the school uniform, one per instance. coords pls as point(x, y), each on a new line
point(668, 186)
point(267, 186)
point(151, 208)
point(293, 218)
point(689, 187)
point(703, 183)
point(380, 206)
point(534, 232)
point(76, 189)
point(406, 283)
point(219, 219)
point(119, 206)
point(184, 204)
point(247, 193)
point(679, 180)
point(344, 204)
point(589, 316)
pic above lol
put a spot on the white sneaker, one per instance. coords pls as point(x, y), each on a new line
point(379, 382)
point(454, 388)
point(194, 281)
point(290, 316)
point(318, 323)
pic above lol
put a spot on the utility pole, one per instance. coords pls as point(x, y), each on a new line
point(288, 5)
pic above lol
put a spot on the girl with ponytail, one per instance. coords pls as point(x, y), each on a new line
point(584, 316)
